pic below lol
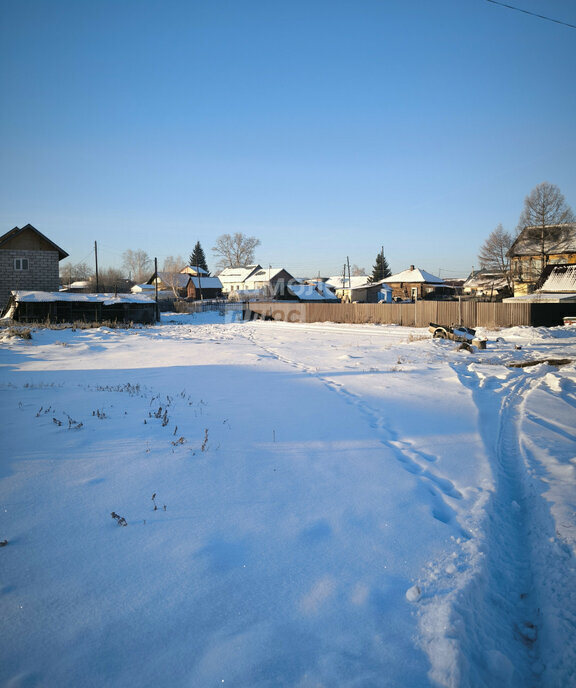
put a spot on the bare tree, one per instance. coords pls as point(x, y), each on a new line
point(75, 272)
point(111, 280)
point(356, 271)
point(545, 206)
point(235, 250)
point(171, 273)
point(493, 254)
point(137, 264)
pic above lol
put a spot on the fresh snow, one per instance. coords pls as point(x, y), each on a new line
point(337, 506)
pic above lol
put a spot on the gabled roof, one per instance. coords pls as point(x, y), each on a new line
point(266, 274)
point(558, 239)
point(485, 277)
point(193, 270)
point(413, 275)
point(206, 282)
point(173, 279)
point(17, 231)
point(237, 275)
point(339, 282)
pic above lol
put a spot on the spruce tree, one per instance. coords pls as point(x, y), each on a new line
point(381, 268)
point(197, 258)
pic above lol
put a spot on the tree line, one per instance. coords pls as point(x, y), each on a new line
point(231, 250)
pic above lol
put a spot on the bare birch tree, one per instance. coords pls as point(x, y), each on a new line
point(137, 264)
point(171, 273)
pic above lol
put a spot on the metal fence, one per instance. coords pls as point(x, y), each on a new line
point(419, 314)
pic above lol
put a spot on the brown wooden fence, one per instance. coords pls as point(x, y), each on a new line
point(419, 314)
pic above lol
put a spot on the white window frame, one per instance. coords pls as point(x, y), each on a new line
point(21, 264)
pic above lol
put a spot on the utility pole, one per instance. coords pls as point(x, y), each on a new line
point(96, 259)
point(156, 289)
point(199, 281)
point(349, 278)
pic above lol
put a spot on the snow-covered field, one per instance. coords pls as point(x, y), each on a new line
point(356, 506)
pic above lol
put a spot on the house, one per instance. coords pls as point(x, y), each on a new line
point(41, 306)
point(534, 248)
point(415, 283)
point(557, 285)
point(186, 284)
point(487, 283)
point(199, 287)
point(234, 279)
point(254, 280)
point(270, 282)
point(372, 292)
point(28, 260)
point(344, 287)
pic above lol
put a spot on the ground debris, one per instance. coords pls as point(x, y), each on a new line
point(549, 361)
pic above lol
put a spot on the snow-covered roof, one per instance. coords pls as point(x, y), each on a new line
point(381, 284)
point(339, 282)
point(486, 279)
point(557, 239)
point(312, 292)
point(206, 282)
point(237, 275)
point(265, 274)
point(146, 288)
point(561, 279)
point(324, 290)
point(540, 297)
point(173, 279)
point(50, 296)
point(414, 275)
point(193, 270)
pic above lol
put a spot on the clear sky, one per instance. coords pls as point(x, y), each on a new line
point(326, 128)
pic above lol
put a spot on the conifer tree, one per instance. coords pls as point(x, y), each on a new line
point(197, 257)
point(381, 268)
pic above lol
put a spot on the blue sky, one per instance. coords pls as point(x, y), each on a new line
point(326, 128)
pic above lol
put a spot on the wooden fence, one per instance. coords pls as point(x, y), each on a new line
point(419, 314)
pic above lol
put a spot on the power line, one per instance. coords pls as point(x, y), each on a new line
point(533, 14)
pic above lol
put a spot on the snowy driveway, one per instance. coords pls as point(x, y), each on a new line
point(337, 506)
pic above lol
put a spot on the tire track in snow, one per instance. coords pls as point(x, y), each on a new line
point(509, 637)
point(413, 461)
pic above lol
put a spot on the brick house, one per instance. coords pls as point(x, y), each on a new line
point(28, 260)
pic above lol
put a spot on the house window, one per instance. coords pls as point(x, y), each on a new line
point(20, 263)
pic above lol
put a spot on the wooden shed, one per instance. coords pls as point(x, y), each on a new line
point(42, 306)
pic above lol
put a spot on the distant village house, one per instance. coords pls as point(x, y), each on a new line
point(414, 284)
